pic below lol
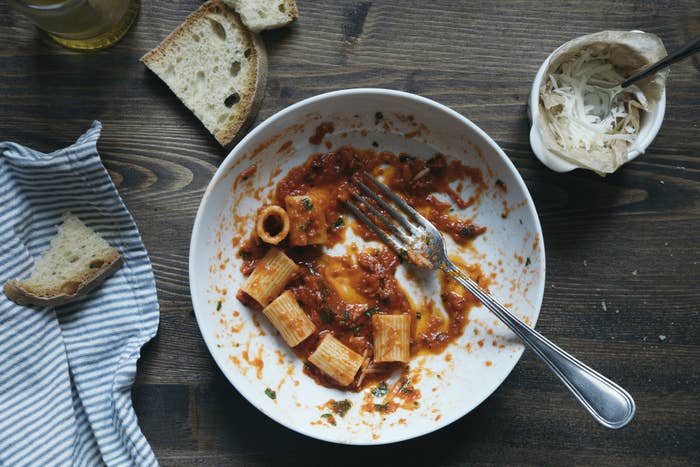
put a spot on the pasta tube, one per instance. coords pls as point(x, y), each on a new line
point(336, 360)
point(269, 277)
point(272, 225)
point(289, 319)
point(392, 338)
point(308, 220)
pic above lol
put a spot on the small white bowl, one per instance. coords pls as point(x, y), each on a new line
point(650, 125)
point(244, 344)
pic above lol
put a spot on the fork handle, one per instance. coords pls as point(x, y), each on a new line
point(607, 402)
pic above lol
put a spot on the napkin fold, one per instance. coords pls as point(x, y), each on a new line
point(66, 372)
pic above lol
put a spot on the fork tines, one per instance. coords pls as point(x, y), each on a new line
point(399, 233)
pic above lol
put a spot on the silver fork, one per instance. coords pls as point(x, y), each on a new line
point(414, 238)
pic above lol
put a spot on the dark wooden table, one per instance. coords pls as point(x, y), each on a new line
point(629, 240)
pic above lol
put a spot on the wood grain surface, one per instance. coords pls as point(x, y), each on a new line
point(629, 240)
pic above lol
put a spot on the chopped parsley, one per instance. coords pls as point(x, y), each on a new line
point(403, 256)
point(527, 261)
point(378, 117)
point(270, 393)
point(327, 315)
point(467, 231)
point(499, 182)
point(381, 390)
point(324, 294)
point(348, 324)
point(418, 315)
point(339, 223)
point(218, 305)
point(305, 227)
point(430, 162)
point(405, 388)
point(308, 205)
point(381, 407)
point(341, 407)
point(386, 300)
point(403, 158)
point(371, 311)
point(375, 144)
point(329, 417)
point(245, 256)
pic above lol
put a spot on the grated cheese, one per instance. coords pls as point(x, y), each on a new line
point(579, 92)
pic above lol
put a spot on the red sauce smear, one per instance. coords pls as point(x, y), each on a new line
point(247, 173)
point(340, 294)
point(321, 131)
point(285, 146)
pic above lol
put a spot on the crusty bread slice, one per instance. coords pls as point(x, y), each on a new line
point(217, 68)
point(265, 14)
point(77, 262)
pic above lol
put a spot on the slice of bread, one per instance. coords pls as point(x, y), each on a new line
point(216, 67)
point(265, 14)
point(77, 261)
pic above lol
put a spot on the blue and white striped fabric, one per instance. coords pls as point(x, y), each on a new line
point(66, 372)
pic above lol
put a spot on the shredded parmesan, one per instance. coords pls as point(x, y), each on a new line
point(585, 111)
point(421, 174)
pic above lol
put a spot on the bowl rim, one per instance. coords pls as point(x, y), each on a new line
point(555, 162)
point(223, 170)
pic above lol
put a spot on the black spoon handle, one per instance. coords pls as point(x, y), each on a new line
point(688, 49)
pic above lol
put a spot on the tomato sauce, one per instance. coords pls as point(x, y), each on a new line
point(321, 131)
point(340, 294)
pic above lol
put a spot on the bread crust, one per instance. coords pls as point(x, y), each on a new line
point(23, 296)
point(233, 134)
point(252, 96)
point(292, 11)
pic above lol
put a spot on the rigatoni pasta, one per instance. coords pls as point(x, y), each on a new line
point(345, 313)
point(336, 360)
point(308, 220)
point(272, 225)
point(289, 319)
point(270, 276)
point(392, 338)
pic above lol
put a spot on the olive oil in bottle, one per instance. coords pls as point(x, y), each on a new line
point(81, 24)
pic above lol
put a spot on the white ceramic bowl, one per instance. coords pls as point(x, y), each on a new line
point(649, 125)
point(253, 358)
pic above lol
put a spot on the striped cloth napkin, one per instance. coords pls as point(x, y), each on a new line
point(66, 372)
